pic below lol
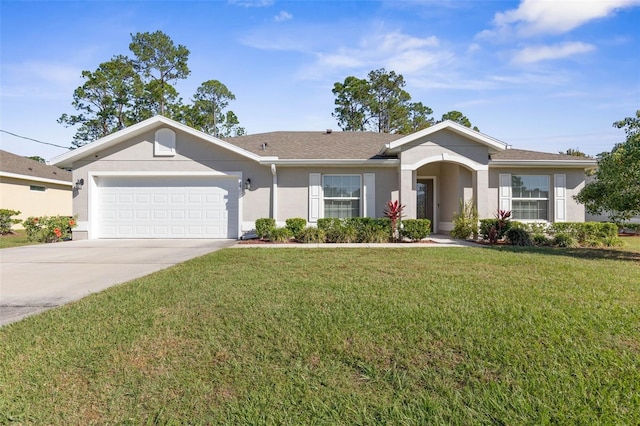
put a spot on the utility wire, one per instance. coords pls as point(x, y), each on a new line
point(35, 140)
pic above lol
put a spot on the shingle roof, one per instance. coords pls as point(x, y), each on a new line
point(315, 145)
point(12, 163)
point(524, 155)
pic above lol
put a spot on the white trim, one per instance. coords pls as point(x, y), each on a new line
point(164, 144)
point(391, 162)
point(67, 159)
point(458, 128)
point(94, 185)
point(35, 179)
point(451, 158)
point(274, 192)
point(581, 164)
point(360, 198)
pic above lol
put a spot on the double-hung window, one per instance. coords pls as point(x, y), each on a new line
point(530, 197)
point(341, 195)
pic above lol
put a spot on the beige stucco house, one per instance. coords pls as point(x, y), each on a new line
point(162, 179)
point(33, 188)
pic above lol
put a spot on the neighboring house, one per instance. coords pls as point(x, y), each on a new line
point(33, 188)
point(162, 179)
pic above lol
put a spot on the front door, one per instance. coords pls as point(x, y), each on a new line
point(424, 190)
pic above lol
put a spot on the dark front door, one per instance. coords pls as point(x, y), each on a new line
point(424, 190)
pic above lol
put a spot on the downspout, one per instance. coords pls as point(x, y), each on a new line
point(274, 193)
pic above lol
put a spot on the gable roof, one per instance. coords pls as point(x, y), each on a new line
point(66, 160)
point(15, 166)
point(492, 143)
point(521, 157)
point(327, 145)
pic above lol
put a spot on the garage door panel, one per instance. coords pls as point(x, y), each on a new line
point(168, 207)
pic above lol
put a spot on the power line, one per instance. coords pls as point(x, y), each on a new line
point(35, 140)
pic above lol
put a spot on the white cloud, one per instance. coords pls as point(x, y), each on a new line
point(555, 17)
point(252, 3)
point(534, 54)
point(283, 16)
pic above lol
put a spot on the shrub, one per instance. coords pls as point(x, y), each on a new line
point(49, 229)
point(311, 235)
point(589, 234)
point(415, 229)
point(486, 226)
point(372, 230)
point(264, 226)
point(296, 225)
point(280, 235)
point(465, 223)
point(394, 212)
point(6, 220)
point(540, 239)
point(519, 237)
point(564, 239)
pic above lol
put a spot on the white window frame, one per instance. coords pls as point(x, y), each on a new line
point(323, 197)
point(547, 199)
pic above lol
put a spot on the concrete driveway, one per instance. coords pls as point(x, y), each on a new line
point(37, 278)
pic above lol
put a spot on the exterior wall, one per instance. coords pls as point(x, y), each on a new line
point(16, 195)
point(293, 188)
point(444, 142)
point(192, 155)
point(575, 182)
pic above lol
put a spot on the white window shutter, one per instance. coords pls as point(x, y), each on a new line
point(560, 197)
point(314, 196)
point(505, 191)
point(369, 195)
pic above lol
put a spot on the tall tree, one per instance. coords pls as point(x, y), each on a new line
point(352, 100)
point(457, 117)
point(208, 111)
point(160, 63)
point(389, 101)
point(574, 152)
point(616, 187)
point(104, 100)
point(125, 91)
point(378, 103)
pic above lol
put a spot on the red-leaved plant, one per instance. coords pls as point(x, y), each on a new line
point(394, 212)
point(503, 219)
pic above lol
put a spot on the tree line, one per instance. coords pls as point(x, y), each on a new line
point(126, 90)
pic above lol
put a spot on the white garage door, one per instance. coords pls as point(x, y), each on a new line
point(168, 207)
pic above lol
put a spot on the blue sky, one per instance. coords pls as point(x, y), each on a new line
point(539, 75)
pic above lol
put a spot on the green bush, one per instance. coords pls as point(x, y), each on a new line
point(280, 235)
point(311, 235)
point(264, 226)
point(296, 225)
point(588, 234)
point(564, 239)
point(540, 239)
point(465, 223)
point(518, 236)
point(415, 229)
point(6, 220)
point(49, 229)
point(356, 229)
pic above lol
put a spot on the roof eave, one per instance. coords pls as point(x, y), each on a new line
point(67, 159)
point(379, 162)
point(580, 164)
point(35, 178)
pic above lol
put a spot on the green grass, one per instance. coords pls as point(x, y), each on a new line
point(631, 243)
point(18, 238)
point(341, 336)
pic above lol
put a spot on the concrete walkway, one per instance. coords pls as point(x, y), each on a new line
point(40, 277)
point(435, 240)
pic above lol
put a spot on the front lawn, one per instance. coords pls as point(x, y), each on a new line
point(341, 336)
